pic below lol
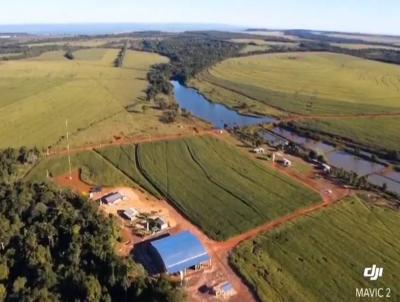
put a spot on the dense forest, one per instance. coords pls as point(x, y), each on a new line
point(18, 51)
point(11, 159)
point(188, 54)
point(56, 246)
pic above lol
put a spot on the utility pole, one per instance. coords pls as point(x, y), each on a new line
point(69, 156)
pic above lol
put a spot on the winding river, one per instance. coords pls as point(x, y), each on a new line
point(216, 114)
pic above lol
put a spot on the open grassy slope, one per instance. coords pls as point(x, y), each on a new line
point(229, 192)
point(376, 133)
point(253, 45)
point(311, 83)
point(95, 170)
point(39, 94)
point(124, 159)
point(322, 257)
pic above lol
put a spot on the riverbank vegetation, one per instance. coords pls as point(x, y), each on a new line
point(188, 54)
point(314, 258)
point(378, 133)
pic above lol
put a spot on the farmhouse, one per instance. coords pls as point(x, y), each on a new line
point(131, 214)
point(112, 198)
point(180, 252)
point(258, 150)
point(224, 290)
point(160, 223)
point(286, 162)
point(326, 168)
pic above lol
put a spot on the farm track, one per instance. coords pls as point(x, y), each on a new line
point(127, 141)
point(220, 250)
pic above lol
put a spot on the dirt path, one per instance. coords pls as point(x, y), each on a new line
point(129, 141)
point(219, 251)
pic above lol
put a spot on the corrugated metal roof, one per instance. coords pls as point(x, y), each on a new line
point(180, 251)
point(131, 213)
point(227, 287)
point(112, 197)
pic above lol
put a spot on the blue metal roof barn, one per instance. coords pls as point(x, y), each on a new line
point(180, 252)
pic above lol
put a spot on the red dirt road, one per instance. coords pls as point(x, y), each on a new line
point(129, 141)
point(219, 251)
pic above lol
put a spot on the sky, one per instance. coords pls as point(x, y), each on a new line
point(368, 16)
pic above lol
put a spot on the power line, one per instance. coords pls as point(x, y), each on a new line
point(69, 156)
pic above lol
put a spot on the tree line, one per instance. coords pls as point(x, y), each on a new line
point(188, 54)
point(391, 155)
point(119, 61)
point(11, 159)
point(55, 246)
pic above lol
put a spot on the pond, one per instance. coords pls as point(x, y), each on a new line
point(220, 116)
point(216, 114)
point(379, 180)
point(317, 146)
point(339, 159)
point(350, 162)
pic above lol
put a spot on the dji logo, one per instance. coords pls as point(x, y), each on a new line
point(373, 273)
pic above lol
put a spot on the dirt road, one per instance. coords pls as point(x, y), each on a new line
point(219, 251)
point(129, 141)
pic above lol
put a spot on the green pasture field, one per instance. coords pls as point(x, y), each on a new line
point(39, 94)
point(311, 83)
point(248, 48)
point(124, 159)
point(55, 55)
point(95, 54)
point(373, 132)
point(10, 55)
point(247, 41)
point(321, 257)
point(368, 38)
point(232, 99)
point(229, 192)
point(260, 45)
point(90, 42)
point(364, 46)
point(94, 169)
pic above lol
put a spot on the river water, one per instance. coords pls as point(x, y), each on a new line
point(219, 116)
point(216, 114)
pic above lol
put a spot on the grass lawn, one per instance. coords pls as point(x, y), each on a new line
point(39, 94)
point(311, 83)
point(229, 192)
point(322, 257)
point(377, 133)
